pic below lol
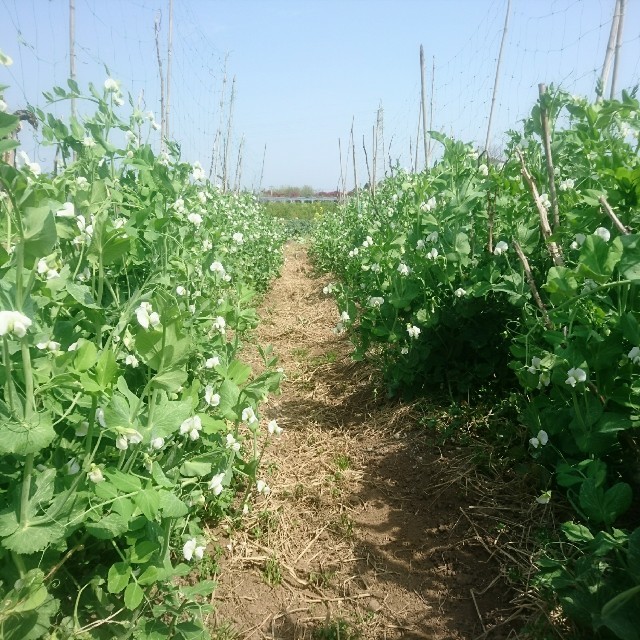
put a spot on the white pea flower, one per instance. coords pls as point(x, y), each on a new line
point(544, 200)
point(95, 474)
point(420, 245)
point(212, 362)
point(433, 237)
point(328, 289)
point(73, 346)
point(72, 467)
point(191, 427)
point(202, 196)
point(181, 291)
point(535, 365)
point(404, 351)
point(147, 316)
point(48, 345)
point(500, 248)
point(544, 498)
point(215, 484)
point(111, 85)
point(155, 126)
point(131, 137)
point(220, 324)
point(413, 331)
point(375, 301)
point(14, 322)
point(67, 210)
point(459, 292)
point(100, 417)
point(82, 183)
point(433, 254)
point(263, 487)
point(483, 170)
point(273, 428)
point(122, 443)
point(605, 234)
point(238, 238)
point(248, 415)
point(118, 101)
point(368, 242)
point(575, 376)
point(429, 205)
point(3, 106)
point(634, 355)
point(344, 317)
point(5, 60)
point(403, 269)
point(212, 399)
point(197, 172)
point(376, 268)
point(178, 205)
point(195, 218)
point(578, 241)
point(217, 268)
point(157, 443)
point(82, 429)
point(354, 252)
point(88, 142)
point(541, 439)
point(566, 185)
point(232, 443)
point(192, 548)
point(207, 245)
point(131, 361)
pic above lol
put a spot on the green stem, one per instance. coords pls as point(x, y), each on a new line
point(7, 369)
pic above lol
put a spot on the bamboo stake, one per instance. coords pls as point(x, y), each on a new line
point(606, 65)
point(264, 155)
point(72, 50)
point(374, 169)
point(163, 121)
point(546, 138)
point(342, 187)
point(239, 166)
point(495, 82)
point(616, 57)
point(614, 218)
point(366, 159)
point(415, 159)
point(433, 80)
point(423, 108)
point(553, 248)
point(215, 156)
point(169, 53)
point(227, 142)
point(532, 283)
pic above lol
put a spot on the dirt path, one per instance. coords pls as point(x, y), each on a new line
point(365, 532)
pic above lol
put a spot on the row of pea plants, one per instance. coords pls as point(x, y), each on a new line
point(523, 272)
point(127, 415)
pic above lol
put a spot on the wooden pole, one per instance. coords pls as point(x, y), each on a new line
point(433, 82)
point(495, 82)
point(264, 155)
point(239, 166)
point(423, 108)
point(415, 160)
point(169, 52)
point(342, 187)
point(606, 65)
point(616, 57)
point(163, 121)
point(366, 159)
point(546, 139)
point(353, 154)
point(72, 50)
point(227, 142)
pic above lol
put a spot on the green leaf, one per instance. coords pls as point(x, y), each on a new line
point(171, 506)
point(33, 536)
point(133, 595)
point(106, 369)
point(110, 526)
point(86, 356)
point(195, 468)
point(126, 482)
point(7, 144)
point(170, 380)
point(168, 416)
point(238, 372)
point(82, 294)
point(633, 554)
point(561, 283)
point(143, 551)
point(148, 576)
point(576, 532)
point(630, 328)
point(24, 438)
point(229, 396)
point(629, 265)
point(118, 577)
point(8, 123)
point(148, 501)
point(598, 258)
point(600, 506)
point(39, 231)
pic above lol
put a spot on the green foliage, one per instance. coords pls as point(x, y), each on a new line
point(431, 285)
point(125, 409)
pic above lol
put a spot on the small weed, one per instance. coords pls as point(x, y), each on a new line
point(225, 631)
point(343, 462)
point(299, 352)
point(336, 630)
point(266, 523)
point(322, 578)
point(343, 526)
point(271, 573)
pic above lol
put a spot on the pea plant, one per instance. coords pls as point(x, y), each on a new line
point(128, 415)
point(522, 271)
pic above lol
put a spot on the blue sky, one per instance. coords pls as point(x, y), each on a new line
point(305, 68)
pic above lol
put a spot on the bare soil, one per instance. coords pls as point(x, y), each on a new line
point(370, 530)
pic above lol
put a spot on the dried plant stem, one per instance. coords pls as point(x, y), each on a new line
point(546, 138)
point(554, 250)
point(611, 213)
point(532, 283)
